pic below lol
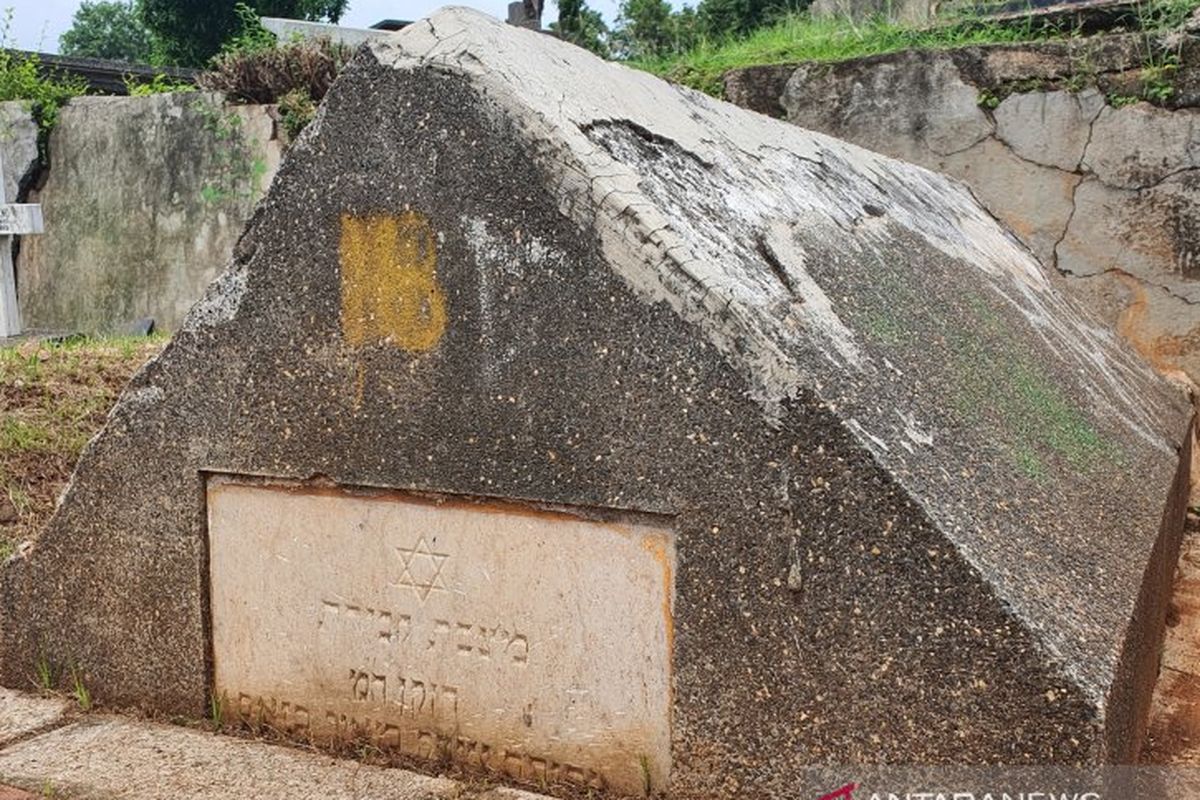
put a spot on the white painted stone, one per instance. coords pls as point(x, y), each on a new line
point(1049, 128)
point(14, 219)
point(287, 30)
point(20, 218)
point(533, 643)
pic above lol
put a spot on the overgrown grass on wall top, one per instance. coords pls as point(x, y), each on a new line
point(804, 38)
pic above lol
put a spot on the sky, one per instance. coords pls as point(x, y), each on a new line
point(37, 24)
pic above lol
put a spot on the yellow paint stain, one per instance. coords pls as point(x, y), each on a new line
point(390, 292)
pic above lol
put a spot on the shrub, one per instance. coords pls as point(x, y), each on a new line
point(159, 84)
point(296, 110)
point(265, 75)
point(21, 78)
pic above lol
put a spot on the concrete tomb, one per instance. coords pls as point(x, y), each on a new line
point(582, 429)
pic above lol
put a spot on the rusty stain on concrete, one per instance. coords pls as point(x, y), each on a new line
point(1174, 728)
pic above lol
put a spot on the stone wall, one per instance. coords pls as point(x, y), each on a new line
point(1053, 140)
point(18, 148)
point(143, 199)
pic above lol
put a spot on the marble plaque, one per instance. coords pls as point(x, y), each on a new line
point(515, 640)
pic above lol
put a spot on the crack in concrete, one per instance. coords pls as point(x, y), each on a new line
point(68, 718)
point(1054, 260)
point(990, 135)
point(1080, 165)
point(1127, 274)
point(1086, 174)
point(1154, 184)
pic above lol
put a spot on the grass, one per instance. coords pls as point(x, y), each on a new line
point(44, 674)
point(216, 712)
point(53, 398)
point(800, 38)
point(79, 690)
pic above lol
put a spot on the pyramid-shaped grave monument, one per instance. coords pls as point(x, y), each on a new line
point(580, 428)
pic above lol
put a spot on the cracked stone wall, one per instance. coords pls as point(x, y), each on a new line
point(18, 147)
point(143, 199)
point(1051, 139)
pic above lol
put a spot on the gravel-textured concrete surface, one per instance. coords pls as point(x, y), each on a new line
point(22, 714)
point(110, 757)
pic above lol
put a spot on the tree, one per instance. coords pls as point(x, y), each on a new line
point(581, 25)
point(720, 19)
point(650, 29)
point(645, 29)
point(190, 32)
point(106, 29)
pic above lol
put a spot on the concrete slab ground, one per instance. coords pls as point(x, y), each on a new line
point(22, 715)
point(100, 756)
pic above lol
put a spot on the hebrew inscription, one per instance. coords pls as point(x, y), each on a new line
point(527, 643)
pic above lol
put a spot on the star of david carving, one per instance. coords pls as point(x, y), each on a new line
point(422, 569)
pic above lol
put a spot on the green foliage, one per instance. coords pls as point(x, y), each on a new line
point(650, 29)
point(21, 78)
point(240, 171)
point(988, 99)
point(1158, 77)
point(107, 29)
point(799, 37)
point(159, 84)
point(647, 783)
point(191, 32)
point(581, 25)
point(250, 36)
point(216, 711)
point(720, 19)
point(255, 69)
point(254, 74)
point(44, 674)
point(1162, 15)
point(296, 110)
point(79, 690)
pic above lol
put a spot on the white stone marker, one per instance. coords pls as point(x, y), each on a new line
point(16, 219)
point(532, 643)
